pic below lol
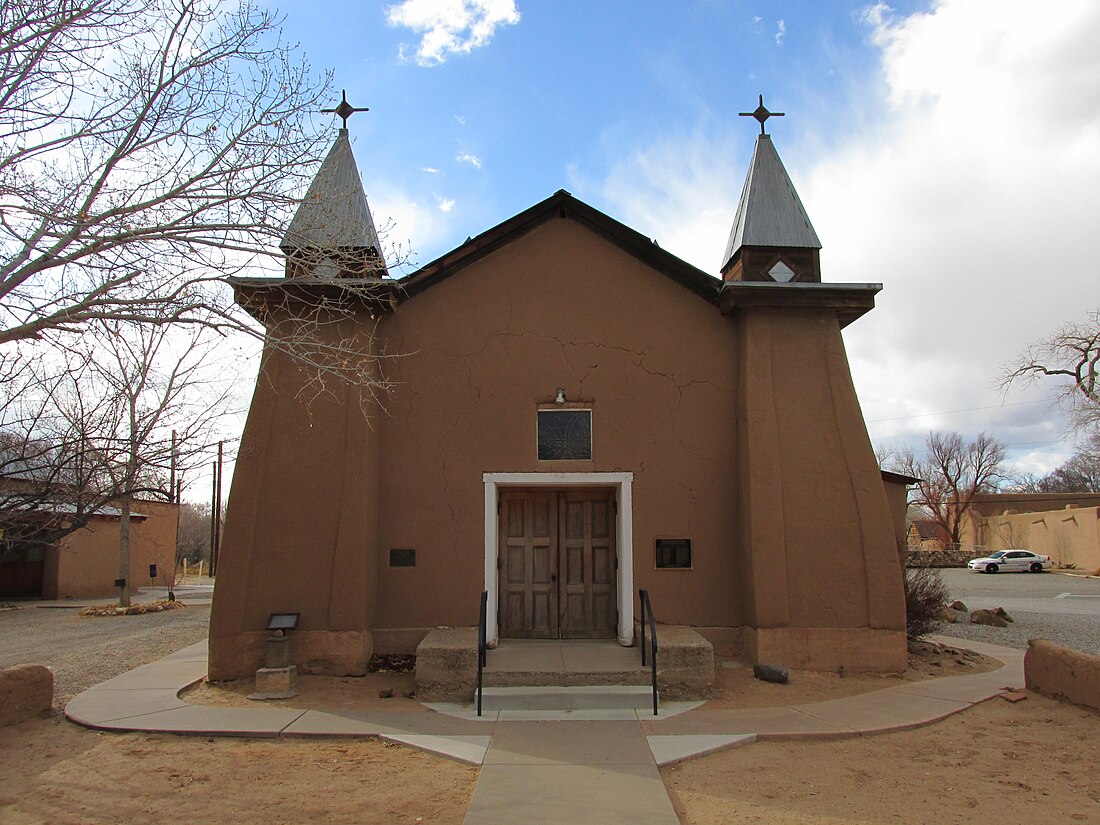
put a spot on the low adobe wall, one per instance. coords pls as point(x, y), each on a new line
point(26, 691)
point(1062, 673)
point(941, 558)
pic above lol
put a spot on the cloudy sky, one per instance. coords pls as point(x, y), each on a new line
point(949, 150)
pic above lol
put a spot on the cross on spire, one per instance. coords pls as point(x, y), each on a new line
point(761, 114)
point(344, 110)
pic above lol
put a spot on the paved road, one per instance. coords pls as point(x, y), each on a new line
point(1055, 606)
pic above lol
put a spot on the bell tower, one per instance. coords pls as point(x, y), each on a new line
point(772, 239)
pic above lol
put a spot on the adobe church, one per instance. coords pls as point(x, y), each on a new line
point(574, 413)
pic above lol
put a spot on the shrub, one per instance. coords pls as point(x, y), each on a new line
point(925, 596)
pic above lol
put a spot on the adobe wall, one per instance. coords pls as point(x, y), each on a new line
point(1070, 536)
point(1062, 673)
point(26, 691)
point(87, 561)
point(821, 573)
point(559, 307)
point(300, 527)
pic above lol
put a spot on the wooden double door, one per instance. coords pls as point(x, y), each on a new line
point(557, 564)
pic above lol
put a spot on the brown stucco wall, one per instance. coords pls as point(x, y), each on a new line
point(1062, 673)
point(87, 560)
point(558, 308)
point(301, 526)
point(821, 570)
point(742, 432)
point(1070, 536)
point(26, 691)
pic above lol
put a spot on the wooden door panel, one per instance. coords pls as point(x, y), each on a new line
point(528, 586)
point(557, 553)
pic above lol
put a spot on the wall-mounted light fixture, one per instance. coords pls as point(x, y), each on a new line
point(559, 397)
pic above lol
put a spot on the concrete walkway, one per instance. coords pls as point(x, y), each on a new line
point(601, 769)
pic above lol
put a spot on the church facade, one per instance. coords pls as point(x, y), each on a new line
point(573, 414)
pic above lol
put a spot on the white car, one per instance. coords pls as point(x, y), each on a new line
point(1012, 561)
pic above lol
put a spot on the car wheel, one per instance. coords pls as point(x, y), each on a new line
point(1036, 567)
point(991, 568)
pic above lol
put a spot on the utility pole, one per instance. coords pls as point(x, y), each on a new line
point(216, 513)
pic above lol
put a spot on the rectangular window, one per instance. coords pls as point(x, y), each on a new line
point(565, 435)
point(402, 557)
point(673, 554)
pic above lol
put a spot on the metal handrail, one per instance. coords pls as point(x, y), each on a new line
point(481, 645)
point(647, 618)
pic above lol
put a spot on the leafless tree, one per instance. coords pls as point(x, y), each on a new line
point(113, 417)
point(193, 536)
point(149, 149)
point(1071, 356)
point(951, 472)
point(1079, 474)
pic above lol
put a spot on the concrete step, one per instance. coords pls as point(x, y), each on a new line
point(561, 697)
point(560, 678)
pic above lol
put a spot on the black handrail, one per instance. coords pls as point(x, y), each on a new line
point(647, 617)
point(481, 645)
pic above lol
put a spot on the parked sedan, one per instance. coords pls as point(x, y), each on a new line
point(1012, 561)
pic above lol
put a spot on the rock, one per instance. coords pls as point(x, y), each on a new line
point(772, 673)
point(1000, 611)
point(386, 693)
point(408, 694)
point(958, 605)
point(946, 614)
point(987, 617)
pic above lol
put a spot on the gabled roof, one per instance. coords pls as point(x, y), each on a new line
point(558, 206)
point(334, 213)
point(770, 212)
point(930, 529)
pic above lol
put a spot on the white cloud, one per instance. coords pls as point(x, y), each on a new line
point(445, 204)
point(780, 31)
point(467, 157)
point(431, 170)
point(971, 196)
point(450, 27)
point(460, 119)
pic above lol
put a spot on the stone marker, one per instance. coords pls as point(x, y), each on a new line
point(278, 679)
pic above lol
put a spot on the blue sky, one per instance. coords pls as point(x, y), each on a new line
point(949, 150)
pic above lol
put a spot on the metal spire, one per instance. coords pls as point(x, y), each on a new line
point(761, 114)
point(344, 110)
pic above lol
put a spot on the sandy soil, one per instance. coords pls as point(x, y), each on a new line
point(1030, 763)
point(56, 772)
point(318, 693)
point(735, 685)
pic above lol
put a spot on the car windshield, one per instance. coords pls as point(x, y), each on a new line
point(997, 555)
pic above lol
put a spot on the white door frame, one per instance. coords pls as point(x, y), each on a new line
point(624, 544)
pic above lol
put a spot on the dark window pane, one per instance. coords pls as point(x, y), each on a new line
point(402, 557)
point(565, 435)
point(674, 553)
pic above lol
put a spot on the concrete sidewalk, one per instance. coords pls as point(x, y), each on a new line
point(601, 769)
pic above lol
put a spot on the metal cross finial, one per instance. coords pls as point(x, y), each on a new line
point(344, 110)
point(761, 114)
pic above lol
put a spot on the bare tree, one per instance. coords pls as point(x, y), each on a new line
point(951, 472)
point(114, 416)
point(193, 536)
point(1071, 355)
point(149, 149)
point(1080, 474)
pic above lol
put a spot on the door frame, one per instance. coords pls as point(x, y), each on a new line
point(624, 538)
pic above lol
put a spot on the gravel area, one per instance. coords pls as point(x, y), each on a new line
point(84, 651)
point(1075, 632)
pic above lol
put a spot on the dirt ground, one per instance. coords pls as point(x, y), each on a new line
point(735, 685)
point(1029, 763)
point(56, 772)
